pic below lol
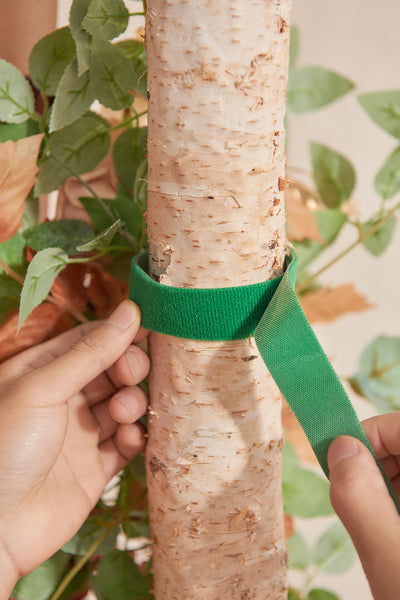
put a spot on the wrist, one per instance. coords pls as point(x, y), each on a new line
point(8, 573)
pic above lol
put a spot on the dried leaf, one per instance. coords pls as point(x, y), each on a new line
point(18, 169)
point(296, 436)
point(327, 304)
point(302, 224)
point(83, 287)
point(45, 322)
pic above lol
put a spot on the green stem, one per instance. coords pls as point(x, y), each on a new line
point(136, 14)
point(361, 238)
point(126, 122)
point(79, 565)
point(11, 273)
point(144, 6)
point(129, 238)
point(84, 559)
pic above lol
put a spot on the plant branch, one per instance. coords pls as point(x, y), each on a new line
point(11, 273)
point(144, 6)
point(129, 238)
point(361, 238)
point(84, 559)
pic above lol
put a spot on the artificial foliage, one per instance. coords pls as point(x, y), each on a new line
point(55, 274)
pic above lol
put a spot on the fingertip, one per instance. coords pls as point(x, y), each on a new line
point(130, 439)
point(126, 315)
point(341, 448)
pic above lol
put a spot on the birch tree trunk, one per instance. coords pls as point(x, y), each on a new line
point(217, 79)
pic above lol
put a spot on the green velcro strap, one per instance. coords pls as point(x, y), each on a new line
point(215, 314)
point(286, 342)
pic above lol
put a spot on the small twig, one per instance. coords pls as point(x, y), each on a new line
point(11, 272)
point(361, 238)
point(129, 238)
point(84, 559)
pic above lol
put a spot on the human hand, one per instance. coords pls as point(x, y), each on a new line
point(67, 424)
point(362, 501)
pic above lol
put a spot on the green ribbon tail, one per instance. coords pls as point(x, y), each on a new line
point(304, 375)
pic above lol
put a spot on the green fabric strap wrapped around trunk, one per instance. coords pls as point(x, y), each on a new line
point(287, 344)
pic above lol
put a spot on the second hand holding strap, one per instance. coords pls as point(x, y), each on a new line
point(287, 344)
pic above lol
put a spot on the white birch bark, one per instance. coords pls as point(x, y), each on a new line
point(217, 79)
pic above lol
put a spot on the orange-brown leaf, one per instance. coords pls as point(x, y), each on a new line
point(327, 304)
point(302, 224)
point(18, 170)
point(45, 322)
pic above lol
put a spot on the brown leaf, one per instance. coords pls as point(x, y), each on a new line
point(296, 436)
point(302, 224)
point(85, 286)
point(18, 170)
point(45, 322)
point(327, 304)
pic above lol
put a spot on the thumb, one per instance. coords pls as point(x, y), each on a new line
point(89, 356)
point(360, 498)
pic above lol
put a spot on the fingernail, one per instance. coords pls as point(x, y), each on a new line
point(134, 362)
point(125, 315)
point(342, 448)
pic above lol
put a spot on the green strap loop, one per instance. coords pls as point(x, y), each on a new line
point(287, 344)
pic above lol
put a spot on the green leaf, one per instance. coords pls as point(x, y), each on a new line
point(294, 45)
point(31, 213)
point(312, 87)
point(384, 109)
point(17, 102)
point(73, 98)
point(42, 271)
point(377, 243)
point(12, 252)
point(330, 222)
point(305, 494)
point(66, 234)
point(87, 536)
point(334, 552)
point(123, 208)
point(17, 131)
point(101, 241)
point(119, 578)
point(320, 594)
point(378, 376)
point(77, 584)
point(40, 584)
point(134, 529)
point(299, 553)
point(293, 594)
point(140, 187)
point(72, 150)
point(106, 18)
point(49, 59)
point(10, 291)
point(387, 181)
point(334, 175)
point(113, 77)
point(128, 153)
point(83, 39)
point(136, 53)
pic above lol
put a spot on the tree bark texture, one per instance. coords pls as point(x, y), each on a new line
point(217, 79)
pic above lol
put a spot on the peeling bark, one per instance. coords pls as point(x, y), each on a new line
point(217, 79)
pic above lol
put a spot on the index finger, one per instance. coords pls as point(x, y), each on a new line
point(87, 357)
point(383, 432)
